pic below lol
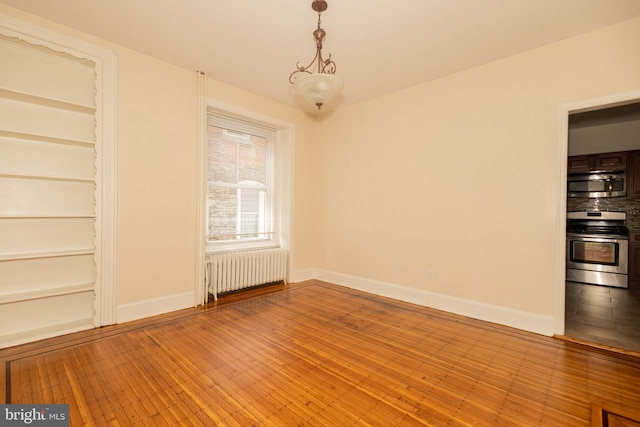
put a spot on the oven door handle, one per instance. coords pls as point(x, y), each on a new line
point(597, 237)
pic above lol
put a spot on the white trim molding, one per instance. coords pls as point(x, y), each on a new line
point(154, 306)
point(200, 294)
point(284, 171)
point(531, 322)
point(564, 110)
point(302, 275)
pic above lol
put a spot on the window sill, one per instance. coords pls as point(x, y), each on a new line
point(213, 249)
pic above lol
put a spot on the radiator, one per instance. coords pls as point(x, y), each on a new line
point(238, 270)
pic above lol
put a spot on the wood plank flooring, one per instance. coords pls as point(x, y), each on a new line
point(318, 354)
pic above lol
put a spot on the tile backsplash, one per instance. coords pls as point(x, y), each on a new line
point(624, 204)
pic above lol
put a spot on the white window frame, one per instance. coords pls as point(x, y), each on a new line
point(282, 181)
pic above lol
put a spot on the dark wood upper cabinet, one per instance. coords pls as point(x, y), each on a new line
point(633, 175)
point(611, 161)
point(616, 161)
point(580, 164)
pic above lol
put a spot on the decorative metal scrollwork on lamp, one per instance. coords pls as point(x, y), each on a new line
point(321, 86)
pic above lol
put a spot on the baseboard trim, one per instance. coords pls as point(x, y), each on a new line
point(302, 275)
point(153, 307)
point(526, 321)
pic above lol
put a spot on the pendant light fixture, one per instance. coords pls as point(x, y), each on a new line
point(317, 85)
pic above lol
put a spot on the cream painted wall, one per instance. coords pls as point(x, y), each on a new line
point(157, 180)
point(458, 175)
point(157, 172)
point(603, 138)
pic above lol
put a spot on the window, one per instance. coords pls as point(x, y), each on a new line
point(241, 197)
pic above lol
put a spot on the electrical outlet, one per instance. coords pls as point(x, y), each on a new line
point(430, 274)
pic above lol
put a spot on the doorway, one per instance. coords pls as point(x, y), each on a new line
point(601, 315)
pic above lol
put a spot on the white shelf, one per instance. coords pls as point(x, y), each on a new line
point(61, 104)
point(48, 139)
point(46, 332)
point(45, 293)
point(40, 255)
point(48, 178)
point(46, 216)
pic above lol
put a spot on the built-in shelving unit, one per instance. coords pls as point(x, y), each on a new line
point(48, 185)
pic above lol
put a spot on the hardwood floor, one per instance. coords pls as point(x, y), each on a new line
point(318, 354)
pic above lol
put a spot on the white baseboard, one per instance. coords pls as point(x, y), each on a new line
point(532, 322)
point(302, 275)
point(153, 307)
point(518, 319)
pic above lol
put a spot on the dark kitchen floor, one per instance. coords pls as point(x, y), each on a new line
point(603, 315)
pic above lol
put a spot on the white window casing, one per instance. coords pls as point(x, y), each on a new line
point(272, 219)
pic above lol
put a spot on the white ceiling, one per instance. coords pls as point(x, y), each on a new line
point(379, 46)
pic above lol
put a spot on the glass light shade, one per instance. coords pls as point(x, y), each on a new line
point(318, 88)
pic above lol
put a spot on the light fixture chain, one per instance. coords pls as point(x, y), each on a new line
point(325, 66)
point(321, 86)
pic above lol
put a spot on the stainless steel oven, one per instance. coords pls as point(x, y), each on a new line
point(598, 248)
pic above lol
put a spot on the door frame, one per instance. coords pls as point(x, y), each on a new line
point(106, 82)
point(564, 111)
